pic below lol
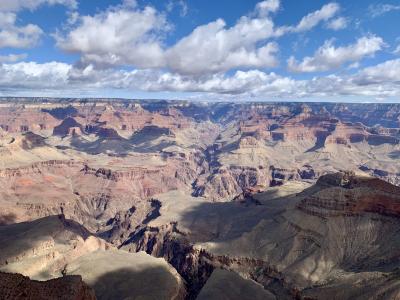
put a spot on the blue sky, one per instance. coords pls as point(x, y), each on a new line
point(240, 50)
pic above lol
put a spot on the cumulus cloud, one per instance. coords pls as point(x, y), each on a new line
point(214, 48)
point(110, 38)
point(34, 76)
point(15, 36)
point(386, 72)
point(337, 24)
point(380, 81)
point(329, 57)
point(134, 37)
point(118, 36)
point(23, 36)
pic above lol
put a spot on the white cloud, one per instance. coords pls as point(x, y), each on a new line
point(15, 36)
point(111, 38)
point(387, 72)
point(380, 81)
point(326, 13)
point(17, 5)
point(10, 58)
point(337, 24)
point(23, 36)
point(264, 8)
point(381, 9)
point(313, 19)
point(215, 48)
point(328, 57)
point(130, 36)
point(33, 76)
point(118, 36)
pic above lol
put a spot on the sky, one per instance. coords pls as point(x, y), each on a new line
point(206, 50)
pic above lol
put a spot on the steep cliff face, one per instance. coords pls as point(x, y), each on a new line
point(347, 194)
point(42, 248)
point(88, 195)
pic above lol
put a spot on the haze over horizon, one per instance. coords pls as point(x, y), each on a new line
point(199, 50)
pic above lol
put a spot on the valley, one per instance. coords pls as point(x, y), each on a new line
point(284, 200)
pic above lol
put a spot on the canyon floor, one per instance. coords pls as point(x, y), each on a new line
point(177, 200)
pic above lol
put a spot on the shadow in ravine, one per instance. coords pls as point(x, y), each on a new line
point(145, 283)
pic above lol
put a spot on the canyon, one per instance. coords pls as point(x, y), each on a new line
point(200, 200)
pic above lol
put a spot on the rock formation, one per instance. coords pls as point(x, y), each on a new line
point(254, 193)
point(54, 246)
point(16, 287)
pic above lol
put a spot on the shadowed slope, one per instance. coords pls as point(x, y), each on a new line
point(18, 287)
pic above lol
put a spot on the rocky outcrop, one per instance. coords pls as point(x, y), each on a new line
point(17, 286)
point(40, 249)
point(196, 265)
point(66, 127)
point(149, 133)
point(279, 175)
point(347, 194)
point(122, 275)
point(54, 246)
point(228, 183)
point(193, 265)
point(90, 196)
point(108, 134)
point(31, 140)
